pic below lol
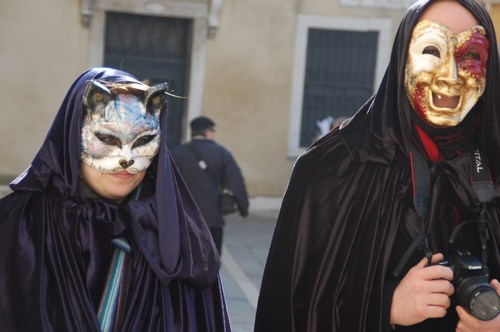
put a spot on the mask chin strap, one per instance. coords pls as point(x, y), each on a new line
point(482, 186)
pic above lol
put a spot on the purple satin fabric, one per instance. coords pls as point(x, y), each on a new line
point(55, 247)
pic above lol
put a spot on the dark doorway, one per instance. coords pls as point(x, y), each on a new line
point(155, 50)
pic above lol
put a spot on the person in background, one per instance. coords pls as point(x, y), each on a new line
point(208, 168)
point(326, 124)
point(392, 220)
point(100, 233)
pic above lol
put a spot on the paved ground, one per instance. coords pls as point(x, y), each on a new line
point(246, 243)
point(4, 190)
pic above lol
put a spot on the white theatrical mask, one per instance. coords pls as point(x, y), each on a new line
point(446, 72)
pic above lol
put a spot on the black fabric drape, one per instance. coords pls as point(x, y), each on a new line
point(349, 197)
point(55, 247)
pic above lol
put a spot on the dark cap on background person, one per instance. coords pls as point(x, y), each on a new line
point(200, 124)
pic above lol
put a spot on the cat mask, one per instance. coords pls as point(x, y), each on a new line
point(121, 129)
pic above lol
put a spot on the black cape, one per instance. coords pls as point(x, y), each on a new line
point(55, 247)
point(331, 261)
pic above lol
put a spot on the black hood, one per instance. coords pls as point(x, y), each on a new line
point(388, 114)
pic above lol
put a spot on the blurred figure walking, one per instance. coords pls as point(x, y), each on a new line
point(209, 169)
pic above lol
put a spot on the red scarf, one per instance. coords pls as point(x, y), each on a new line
point(440, 144)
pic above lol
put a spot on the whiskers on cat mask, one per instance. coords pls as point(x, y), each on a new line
point(121, 129)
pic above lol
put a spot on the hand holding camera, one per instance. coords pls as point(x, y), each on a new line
point(423, 293)
point(467, 322)
point(472, 288)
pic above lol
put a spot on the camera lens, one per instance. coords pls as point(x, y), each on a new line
point(485, 305)
point(478, 297)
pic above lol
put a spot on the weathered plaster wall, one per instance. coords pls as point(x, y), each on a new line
point(249, 82)
point(42, 49)
point(248, 88)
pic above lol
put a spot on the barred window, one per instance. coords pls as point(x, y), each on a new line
point(339, 78)
point(338, 63)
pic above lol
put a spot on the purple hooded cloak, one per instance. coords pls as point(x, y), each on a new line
point(55, 243)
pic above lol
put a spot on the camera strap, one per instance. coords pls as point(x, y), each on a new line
point(481, 178)
point(421, 181)
point(483, 187)
point(481, 184)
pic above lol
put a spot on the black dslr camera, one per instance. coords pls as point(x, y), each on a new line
point(472, 288)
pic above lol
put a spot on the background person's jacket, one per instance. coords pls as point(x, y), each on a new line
point(202, 187)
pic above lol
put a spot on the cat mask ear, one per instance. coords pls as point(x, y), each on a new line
point(155, 98)
point(96, 97)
